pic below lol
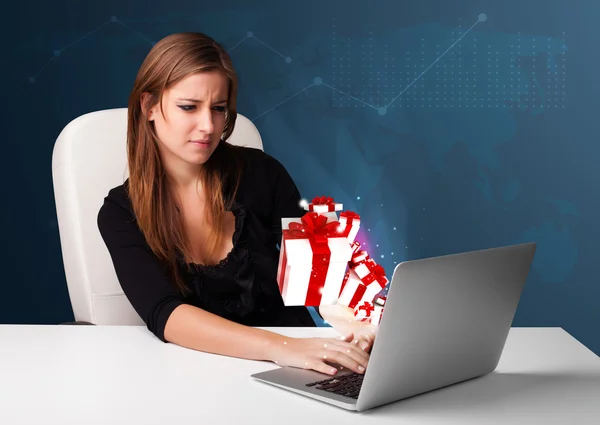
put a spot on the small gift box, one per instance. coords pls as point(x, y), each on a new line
point(363, 281)
point(375, 317)
point(380, 300)
point(363, 311)
point(352, 291)
point(323, 204)
point(313, 259)
point(350, 224)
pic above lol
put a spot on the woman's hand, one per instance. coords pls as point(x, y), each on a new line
point(319, 353)
point(363, 335)
point(341, 318)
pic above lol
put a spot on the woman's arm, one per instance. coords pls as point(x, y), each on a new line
point(201, 330)
point(197, 329)
point(147, 286)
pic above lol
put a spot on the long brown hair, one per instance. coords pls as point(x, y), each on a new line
point(169, 61)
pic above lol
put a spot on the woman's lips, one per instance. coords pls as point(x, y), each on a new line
point(203, 143)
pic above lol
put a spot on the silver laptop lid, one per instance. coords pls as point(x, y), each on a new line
point(446, 320)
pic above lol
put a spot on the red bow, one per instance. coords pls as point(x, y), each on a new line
point(313, 226)
point(360, 256)
point(367, 307)
point(322, 200)
point(355, 246)
point(349, 215)
point(377, 270)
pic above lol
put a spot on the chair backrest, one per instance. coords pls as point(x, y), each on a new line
point(90, 158)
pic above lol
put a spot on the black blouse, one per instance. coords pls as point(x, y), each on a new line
point(243, 287)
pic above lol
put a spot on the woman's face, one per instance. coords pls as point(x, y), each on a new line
point(194, 118)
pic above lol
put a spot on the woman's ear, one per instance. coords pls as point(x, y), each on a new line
point(147, 110)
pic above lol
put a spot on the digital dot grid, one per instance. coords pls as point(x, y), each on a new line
point(379, 94)
point(471, 75)
point(455, 86)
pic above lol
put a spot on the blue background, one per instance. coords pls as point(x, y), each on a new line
point(489, 135)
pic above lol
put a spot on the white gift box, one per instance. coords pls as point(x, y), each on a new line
point(354, 290)
point(352, 286)
point(354, 229)
point(324, 208)
point(375, 318)
point(380, 300)
point(295, 275)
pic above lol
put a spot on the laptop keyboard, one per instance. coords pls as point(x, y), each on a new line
point(346, 385)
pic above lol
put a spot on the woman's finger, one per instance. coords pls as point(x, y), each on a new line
point(352, 350)
point(343, 359)
point(367, 341)
point(320, 366)
point(351, 347)
point(346, 338)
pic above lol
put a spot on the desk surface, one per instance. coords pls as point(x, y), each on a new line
point(124, 375)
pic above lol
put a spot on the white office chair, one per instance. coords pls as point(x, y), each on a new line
point(89, 159)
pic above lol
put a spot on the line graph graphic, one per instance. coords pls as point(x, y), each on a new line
point(284, 101)
point(544, 92)
point(481, 18)
point(58, 52)
point(382, 105)
point(250, 35)
point(382, 109)
point(114, 20)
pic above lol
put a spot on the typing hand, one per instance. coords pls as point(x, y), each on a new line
point(364, 335)
point(320, 353)
point(341, 318)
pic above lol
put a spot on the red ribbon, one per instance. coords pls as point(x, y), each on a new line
point(358, 294)
point(322, 200)
point(350, 217)
point(346, 277)
point(377, 274)
point(315, 228)
point(367, 307)
point(359, 253)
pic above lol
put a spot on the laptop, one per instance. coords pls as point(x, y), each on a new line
point(446, 320)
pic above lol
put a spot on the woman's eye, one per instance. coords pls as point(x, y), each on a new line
point(188, 107)
point(220, 108)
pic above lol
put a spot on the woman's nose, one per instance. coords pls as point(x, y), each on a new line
point(205, 122)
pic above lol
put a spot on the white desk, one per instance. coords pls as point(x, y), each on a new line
point(123, 375)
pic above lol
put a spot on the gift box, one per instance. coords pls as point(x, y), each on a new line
point(363, 281)
point(380, 300)
point(363, 311)
point(352, 290)
point(313, 260)
point(323, 204)
point(349, 224)
point(376, 314)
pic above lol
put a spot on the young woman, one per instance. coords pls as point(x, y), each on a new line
point(193, 231)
